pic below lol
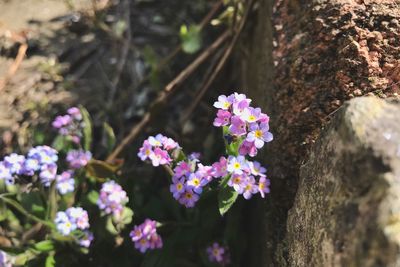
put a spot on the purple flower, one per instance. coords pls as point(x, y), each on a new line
point(112, 198)
point(263, 186)
point(224, 102)
point(222, 119)
point(14, 163)
point(177, 188)
point(61, 121)
point(5, 174)
point(256, 168)
point(79, 217)
point(259, 134)
point(145, 236)
point(237, 164)
point(238, 126)
point(78, 158)
point(196, 182)
point(71, 219)
point(249, 188)
point(160, 157)
point(247, 148)
point(43, 154)
point(156, 141)
point(189, 198)
point(219, 254)
point(65, 183)
point(194, 156)
point(237, 181)
point(182, 169)
point(219, 168)
point(205, 171)
point(145, 151)
point(48, 173)
point(86, 240)
point(251, 115)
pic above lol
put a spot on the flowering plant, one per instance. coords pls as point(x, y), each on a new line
point(245, 130)
point(57, 200)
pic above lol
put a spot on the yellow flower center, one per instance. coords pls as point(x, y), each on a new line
point(258, 133)
point(236, 165)
point(227, 105)
point(147, 152)
point(179, 186)
point(196, 181)
point(237, 180)
point(188, 195)
point(261, 185)
point(215, 251)
point(252, 118)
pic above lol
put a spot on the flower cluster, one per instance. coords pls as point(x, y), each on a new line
point(65, 183)
point(188, 181)
point(78, 158)
point(145, 236)
point(157, 149)
point(112, 198)
point(71, 219)
point(243, 175)
point(74, 218)
point(41, 160)
point(70, 124)
point(243, 121)
point(219, 254)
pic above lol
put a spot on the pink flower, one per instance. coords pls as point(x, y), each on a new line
point(247, 148)
point(238, 126)
point(182, 169)
point(219, 168)
point(160, 157)
point(169, 143)
point(237, 181)
point(222, 118)
point(257, 169)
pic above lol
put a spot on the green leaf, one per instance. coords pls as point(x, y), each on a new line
point(50, 260)
point(93, 196)
point(59, 143)
point(127, 215)
point(110, 226)
point(190, 38)
point(226, 196)
point(102, 169)
point(87, 128)
point(109, 136)
point(44, 246)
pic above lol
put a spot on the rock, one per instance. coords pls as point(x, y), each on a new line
point(347, 208)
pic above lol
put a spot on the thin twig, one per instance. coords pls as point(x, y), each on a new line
point(163, 96)
point(124, 55)
point(15, 66)
point(164, 62)
point(218, 68)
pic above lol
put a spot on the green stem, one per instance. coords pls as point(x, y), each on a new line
point(21, 209)
point(52, 207)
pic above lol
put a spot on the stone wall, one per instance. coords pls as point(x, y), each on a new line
point(301, 60)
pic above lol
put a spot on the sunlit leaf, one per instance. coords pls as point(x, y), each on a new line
point(44, 246)
point(190, 38)
point(87, 128)
point(109, 137)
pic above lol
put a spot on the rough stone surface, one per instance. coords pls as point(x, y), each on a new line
point(347, 208)
point(301, 66)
